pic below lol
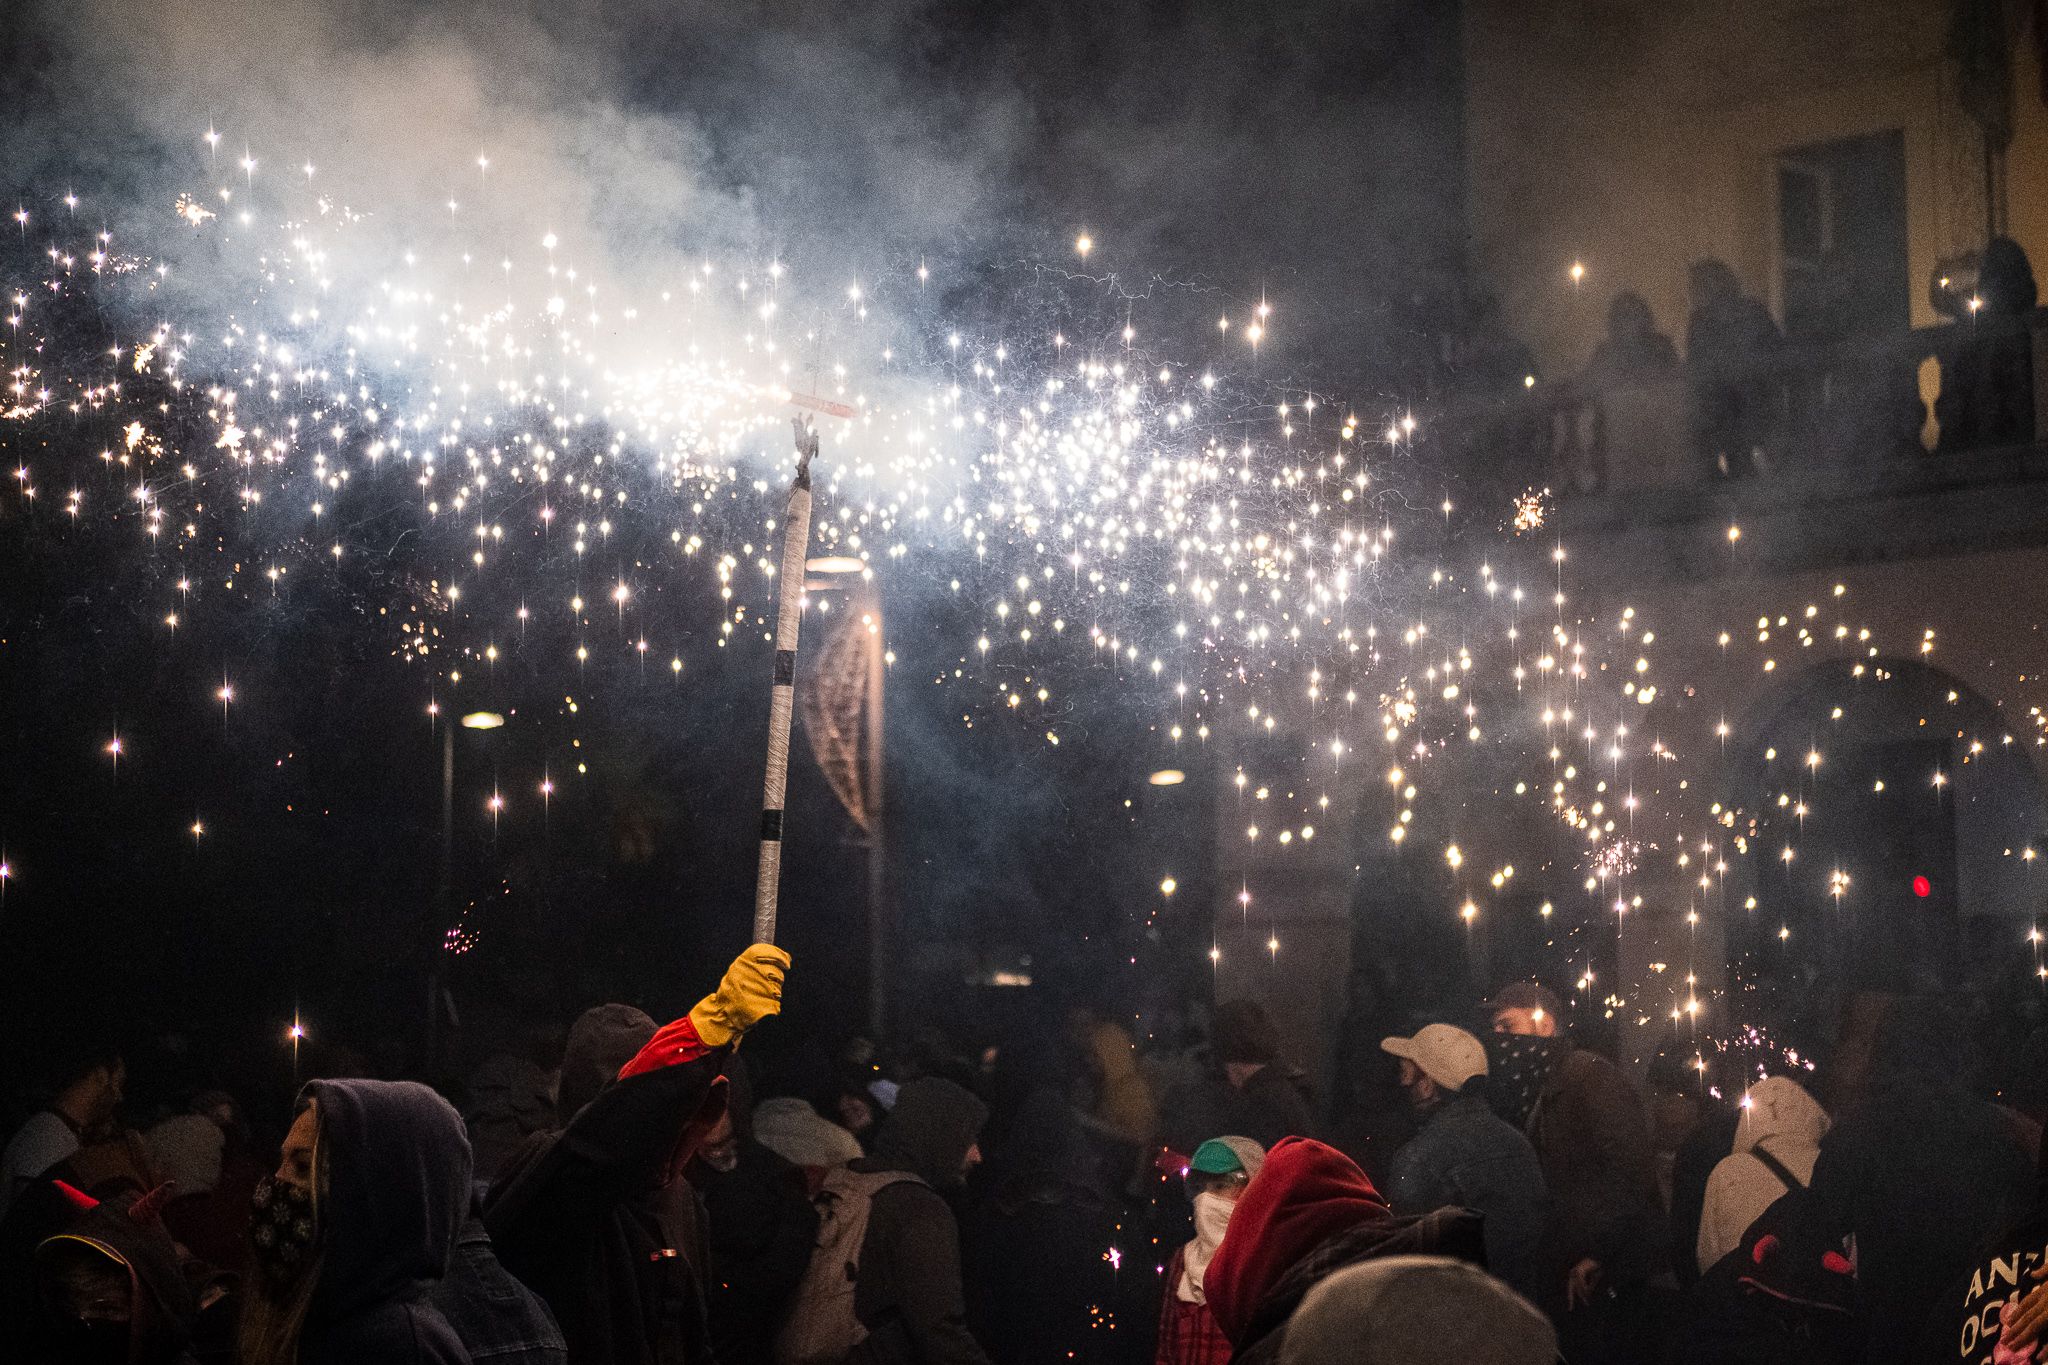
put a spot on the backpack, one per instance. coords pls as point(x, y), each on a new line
point(820, 1327)
point(1786, 1293)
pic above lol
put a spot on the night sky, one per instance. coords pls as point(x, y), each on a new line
point(1219, 153)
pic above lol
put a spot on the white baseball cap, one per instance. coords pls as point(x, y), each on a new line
point(1443, 1052)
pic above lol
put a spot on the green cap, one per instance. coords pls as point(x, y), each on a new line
point(1214, 1157)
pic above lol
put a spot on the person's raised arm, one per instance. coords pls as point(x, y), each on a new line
point(636, 1123)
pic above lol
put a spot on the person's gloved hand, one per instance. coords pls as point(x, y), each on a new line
point(750, 992)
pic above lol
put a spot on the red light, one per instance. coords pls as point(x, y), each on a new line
point(1922, 887)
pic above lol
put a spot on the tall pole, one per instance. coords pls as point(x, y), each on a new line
point(875, 801)
point(444, 895)
point(796, 538)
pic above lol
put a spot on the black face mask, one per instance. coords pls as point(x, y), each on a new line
point(1518, 1065)
point(283, 1231)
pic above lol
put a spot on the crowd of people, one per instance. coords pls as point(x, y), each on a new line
point(638, 1204)
point(1745, 395)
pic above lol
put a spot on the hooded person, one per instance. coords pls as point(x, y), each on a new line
point(601, 1041)
point(759, 1224)
point(1606, 1238)
point(1217, 1176)
point(1777, 1122)
point(109, 1288)
point(908, 1295)
point(1417, 1310)
point(587, 1220)
point(353, 1229)
point(1309, 1213)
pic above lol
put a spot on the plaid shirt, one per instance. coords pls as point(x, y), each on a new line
point(1188, 1334)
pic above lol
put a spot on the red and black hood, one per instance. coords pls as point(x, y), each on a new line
point(130, 1233)
point(1308, 1213)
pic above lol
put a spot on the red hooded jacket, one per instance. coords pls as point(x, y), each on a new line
point(1309, 1212)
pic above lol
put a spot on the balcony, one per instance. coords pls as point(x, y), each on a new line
point(1912, 445)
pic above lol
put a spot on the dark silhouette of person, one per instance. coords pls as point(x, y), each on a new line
point(1731, 352)
point(1633, 351)
point(1987, 381)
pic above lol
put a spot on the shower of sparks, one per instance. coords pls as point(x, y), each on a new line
point(1229, 548)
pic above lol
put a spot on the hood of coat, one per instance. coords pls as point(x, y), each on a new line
point(1780, 1115)
point(1304, 1194)
point(395, 1186)
point(603, 1039)
point(929, 1131)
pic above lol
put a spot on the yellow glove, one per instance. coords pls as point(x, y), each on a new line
point(750, 992)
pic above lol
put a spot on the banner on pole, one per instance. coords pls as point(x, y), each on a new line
point(834, 704)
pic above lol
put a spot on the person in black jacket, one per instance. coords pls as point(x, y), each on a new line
point(1250, 1090)
point(909, 1295)
point(1921, 1172)
point(760, 1224)
point(584, 1219)
point(357, 1222)
point(500, 1321)
point(2005, 1298)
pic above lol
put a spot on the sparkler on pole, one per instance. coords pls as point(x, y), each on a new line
point(796, 538)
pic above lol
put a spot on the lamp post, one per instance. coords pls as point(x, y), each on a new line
point(444, 895)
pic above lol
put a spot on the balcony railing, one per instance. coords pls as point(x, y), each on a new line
point(1853, 411)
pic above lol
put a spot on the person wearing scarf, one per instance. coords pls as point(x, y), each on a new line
point(1591, 1132)
point(1216, 1175)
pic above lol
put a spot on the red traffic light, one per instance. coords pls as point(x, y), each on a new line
point(1922, 887)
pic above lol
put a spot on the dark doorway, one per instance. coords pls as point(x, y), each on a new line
point(1891, 835)
point(1842, 237)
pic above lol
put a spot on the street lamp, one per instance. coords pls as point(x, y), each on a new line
point(445, 892)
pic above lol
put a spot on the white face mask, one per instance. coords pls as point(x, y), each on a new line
point(1212, 1216)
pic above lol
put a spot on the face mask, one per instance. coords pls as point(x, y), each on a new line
point(1518, 1067)
point(283, 1230)
point(1212, 1216)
